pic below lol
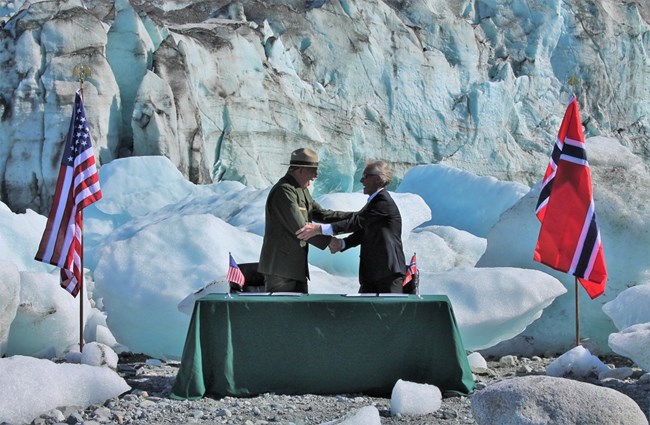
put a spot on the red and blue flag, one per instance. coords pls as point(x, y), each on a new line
point(569, 238)
point(411, 271)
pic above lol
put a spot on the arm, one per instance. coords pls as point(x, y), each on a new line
point(353, 240)
point(374, 212)
point(317, 213)
point(371, 217)
point(291, 216)
point(310, 230)
point(322, 215)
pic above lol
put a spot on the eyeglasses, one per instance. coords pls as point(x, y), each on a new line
point(366, 175)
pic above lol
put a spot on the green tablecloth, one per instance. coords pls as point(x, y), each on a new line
point(320, 344)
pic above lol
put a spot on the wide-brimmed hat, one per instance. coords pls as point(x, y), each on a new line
point(303, 157)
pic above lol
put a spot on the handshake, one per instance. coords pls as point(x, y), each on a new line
point(336, 245)
point(313, 229)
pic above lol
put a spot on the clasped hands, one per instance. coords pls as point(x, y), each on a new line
point(312, 229)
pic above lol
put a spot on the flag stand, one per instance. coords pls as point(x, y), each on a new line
point(81, 71)
point(577, 312)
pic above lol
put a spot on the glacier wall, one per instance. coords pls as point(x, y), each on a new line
point(226, 90)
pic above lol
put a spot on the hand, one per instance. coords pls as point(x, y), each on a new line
point(336, 245)
point(308, 230)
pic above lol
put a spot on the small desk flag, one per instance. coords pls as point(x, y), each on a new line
point(234, 273)
point(411, 271)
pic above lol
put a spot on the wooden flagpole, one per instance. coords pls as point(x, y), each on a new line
point(81, 71)
point(573, 82)
point(81, 291)
point(577, 311)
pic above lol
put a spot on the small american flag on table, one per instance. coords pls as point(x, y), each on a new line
point(234, 273)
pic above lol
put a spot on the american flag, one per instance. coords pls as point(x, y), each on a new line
point(411, 271)
point(77, 186)
point(234, 273)
point(569, 238)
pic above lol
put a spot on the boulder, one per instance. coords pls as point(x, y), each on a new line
point(548, 400)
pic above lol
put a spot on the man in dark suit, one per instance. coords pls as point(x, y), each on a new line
point(377, 227)
point(289, 205)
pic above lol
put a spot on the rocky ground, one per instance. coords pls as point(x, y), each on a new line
point(148, 402)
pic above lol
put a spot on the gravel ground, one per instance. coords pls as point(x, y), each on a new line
point(148, 402)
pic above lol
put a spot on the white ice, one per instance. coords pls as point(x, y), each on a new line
point(411, 398)
point(30, 386)
point(577, 362)
point(150, 243)
point(155, 239)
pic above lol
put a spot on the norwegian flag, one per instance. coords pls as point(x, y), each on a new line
point(234, 273)
point(77, 186)
point(411, 271)
point(569, 238)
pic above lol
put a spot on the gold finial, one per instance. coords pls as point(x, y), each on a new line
point(81, 71)
point(573, 81)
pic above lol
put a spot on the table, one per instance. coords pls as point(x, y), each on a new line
point(243, 346)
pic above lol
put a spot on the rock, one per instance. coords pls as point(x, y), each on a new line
point(54, 415)
point(546, 400)
point(508, 361)
point(618, 373)
point(645, 379)
point(368, 415)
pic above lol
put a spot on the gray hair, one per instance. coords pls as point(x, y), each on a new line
point(383, 170)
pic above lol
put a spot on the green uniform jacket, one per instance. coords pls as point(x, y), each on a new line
point(288, 208)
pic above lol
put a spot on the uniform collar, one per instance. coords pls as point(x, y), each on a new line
point(291, 180)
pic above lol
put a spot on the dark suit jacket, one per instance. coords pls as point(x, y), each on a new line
point(377, 227)
point(288, 208)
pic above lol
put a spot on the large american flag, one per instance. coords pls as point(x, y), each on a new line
point(77, 186)
point(569, 238)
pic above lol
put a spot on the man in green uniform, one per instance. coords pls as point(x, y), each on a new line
point(289, 206)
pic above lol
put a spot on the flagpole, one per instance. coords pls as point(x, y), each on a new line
point(560, 239)
point(81, 71)
point(77, 186)
point(81, 292)
point(577, 311)
point(574, 82)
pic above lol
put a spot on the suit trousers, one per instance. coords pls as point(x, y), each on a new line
point(390, 284)
point(273, 283)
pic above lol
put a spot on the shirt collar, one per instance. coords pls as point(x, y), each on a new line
point(374, 194)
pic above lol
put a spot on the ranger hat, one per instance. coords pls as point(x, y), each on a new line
point(304, 157)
